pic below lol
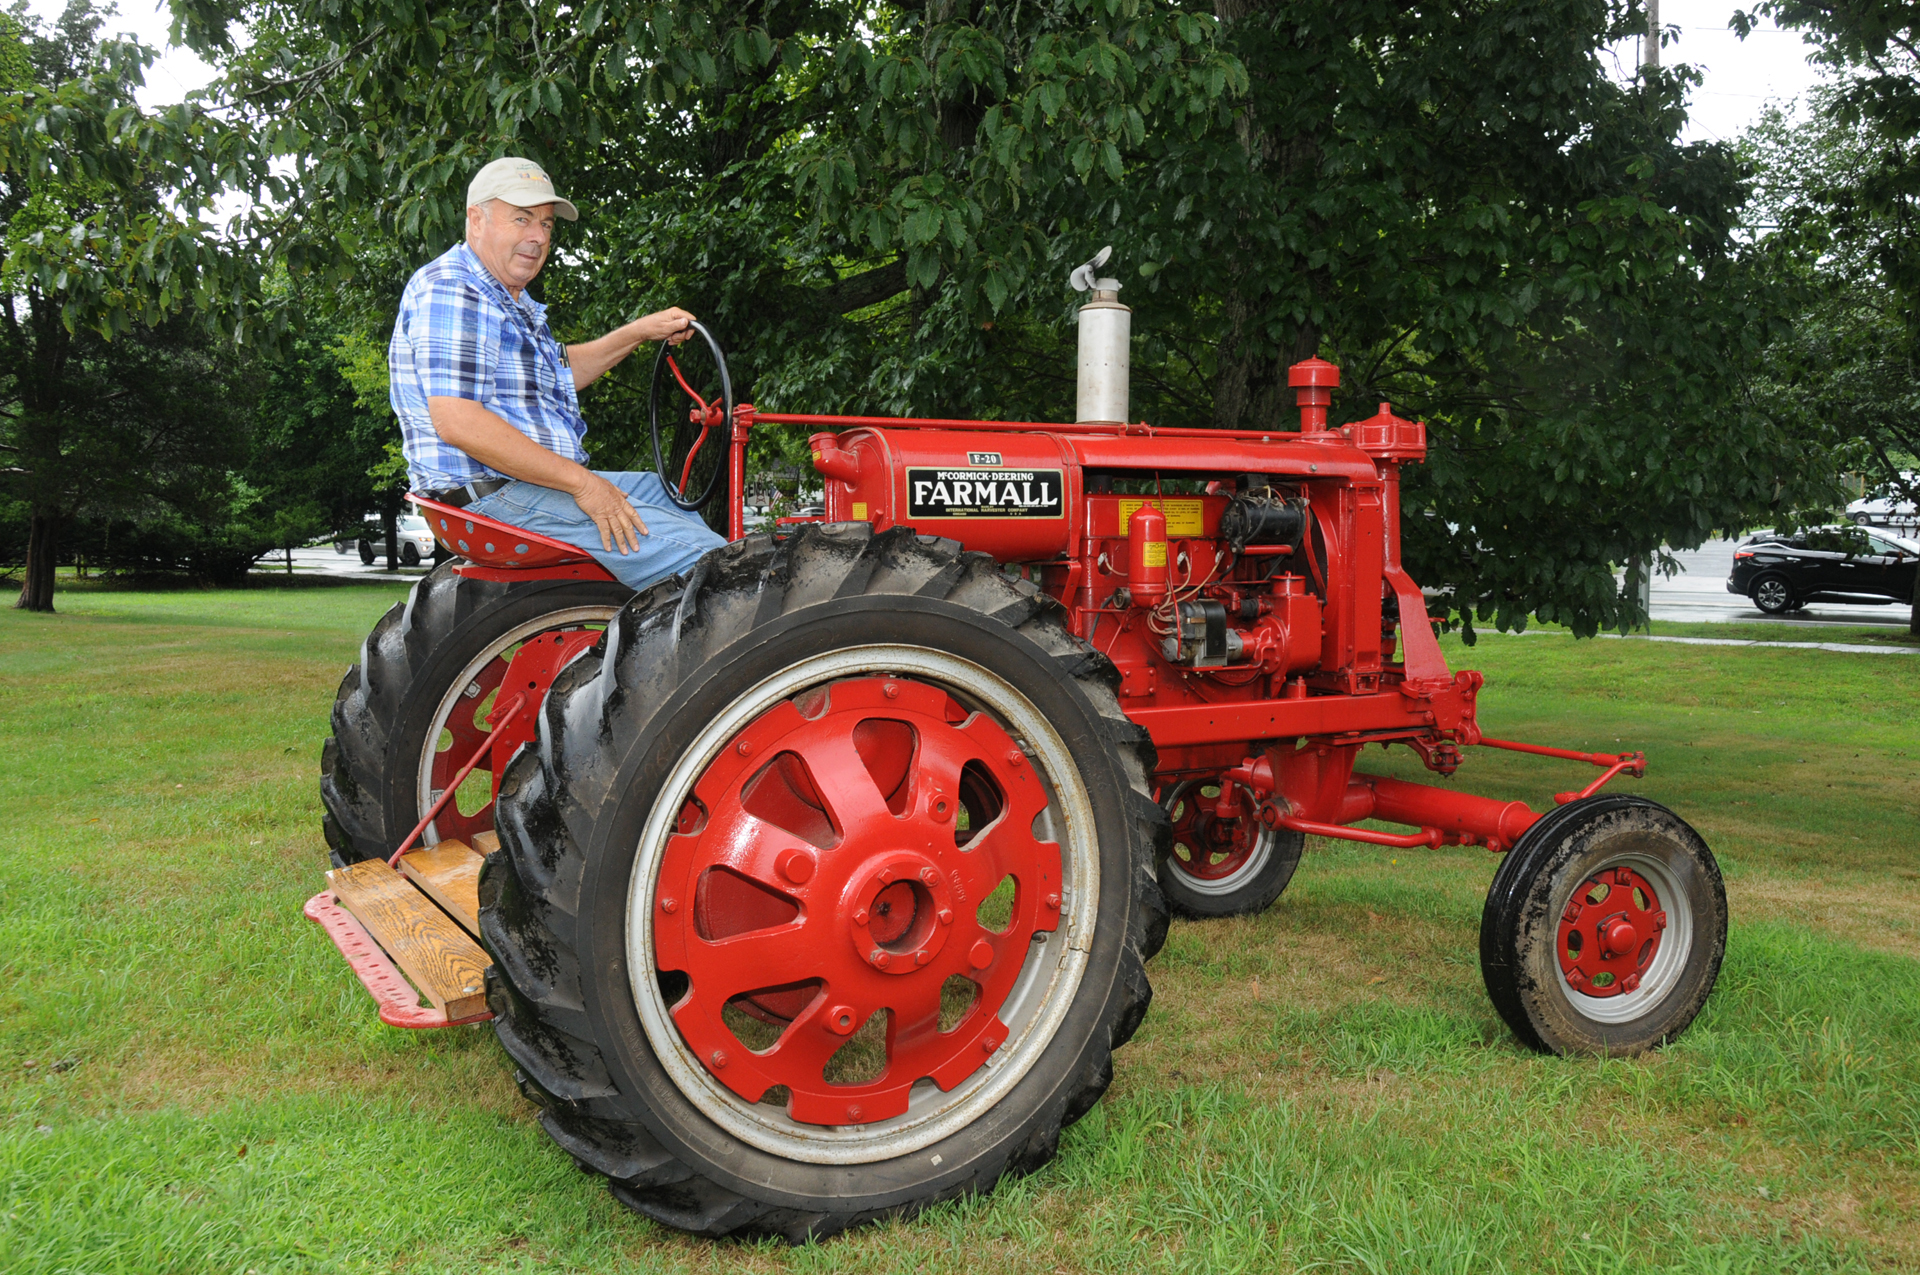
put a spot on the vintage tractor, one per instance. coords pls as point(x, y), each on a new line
point(818, 884)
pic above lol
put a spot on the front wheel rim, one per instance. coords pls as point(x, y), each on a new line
point(942, 1081)
point(1222, 856)
point(1644, 894)
point(1771, 595)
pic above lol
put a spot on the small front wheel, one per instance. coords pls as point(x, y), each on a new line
point(366, 552)
point(1604, 928)
point(1223, 864)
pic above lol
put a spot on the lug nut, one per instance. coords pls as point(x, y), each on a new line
point(860, 917)
point(743, 748)
point(922, 956)
point(718, 1058)
point(880, 959)
point(840, 1020)
point(890, 690)
point(929, 875)
point(668, 905)
point(1053, 901)
point(981, 956)
point(796, 866)
point(1015, 757)
point(886, 875)
point(946, 916)
point(853, 1112)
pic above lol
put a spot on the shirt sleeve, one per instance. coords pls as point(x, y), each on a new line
point(456, 342)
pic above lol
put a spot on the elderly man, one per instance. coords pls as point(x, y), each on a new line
point(487, 399)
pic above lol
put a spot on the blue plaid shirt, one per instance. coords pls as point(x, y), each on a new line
point(461, 334)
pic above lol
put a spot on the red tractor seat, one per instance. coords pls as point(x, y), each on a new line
point(496, 550)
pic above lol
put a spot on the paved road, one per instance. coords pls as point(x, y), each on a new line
point(326, 562)
point(1699, 594)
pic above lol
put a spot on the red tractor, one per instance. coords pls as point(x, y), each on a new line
point(818, 884)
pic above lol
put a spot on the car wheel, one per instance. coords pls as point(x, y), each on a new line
point(340, 546)
point(366, 552)
point(410, 554)
point(1772, 594)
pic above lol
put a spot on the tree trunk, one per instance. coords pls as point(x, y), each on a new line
point(391, 518)
point(42, 542)
point(1913, 616)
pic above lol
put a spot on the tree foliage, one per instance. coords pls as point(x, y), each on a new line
point(1844, 198)
point(115, 284)
point(878, 205)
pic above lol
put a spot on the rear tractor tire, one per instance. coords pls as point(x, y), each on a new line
point(1222, 867)
point(1604, 928)
point(410, 713)
point(827, 892)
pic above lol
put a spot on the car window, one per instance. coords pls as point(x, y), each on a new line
point(413, 522)
point(1876, 545)
point(1837, 540)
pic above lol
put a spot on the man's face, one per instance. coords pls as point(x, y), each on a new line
point(511, 242)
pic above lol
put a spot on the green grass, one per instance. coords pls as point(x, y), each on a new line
point(191, 1080)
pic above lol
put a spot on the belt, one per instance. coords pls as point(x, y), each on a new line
point(461, 497)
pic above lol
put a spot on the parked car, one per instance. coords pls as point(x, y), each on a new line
point(416, 541)
point(1824, 564)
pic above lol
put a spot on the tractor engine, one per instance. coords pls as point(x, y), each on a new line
point(1215, 569)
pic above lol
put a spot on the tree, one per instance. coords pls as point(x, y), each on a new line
point(879, 203)
point(113, 282)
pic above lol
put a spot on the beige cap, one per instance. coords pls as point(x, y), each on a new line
point(519, 182)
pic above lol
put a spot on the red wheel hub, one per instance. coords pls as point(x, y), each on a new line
point(831, 866)
point(1216, 846)
point(1610, 932)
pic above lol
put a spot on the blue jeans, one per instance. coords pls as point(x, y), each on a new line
point(675, 537)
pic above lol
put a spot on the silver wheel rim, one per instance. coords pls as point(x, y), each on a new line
point(572, 617)
point(1033, 1010)
point(1771, 595)
point(1669, 963)
point(1240, 876)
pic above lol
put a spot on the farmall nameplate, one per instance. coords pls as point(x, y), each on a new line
point(985, 493)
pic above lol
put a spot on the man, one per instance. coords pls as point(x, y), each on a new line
point(487, 399)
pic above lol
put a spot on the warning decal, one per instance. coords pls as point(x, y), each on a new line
point(1184, 517)
point(985, 493)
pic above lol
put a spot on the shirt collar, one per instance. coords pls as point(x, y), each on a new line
point(484, 277)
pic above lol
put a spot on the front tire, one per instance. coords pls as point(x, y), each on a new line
point(774, 812)
point(1604, 928)
point(366, 553)
point(1223, 867)
point(413, 709)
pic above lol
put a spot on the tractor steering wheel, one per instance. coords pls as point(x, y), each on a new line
point(694, 461)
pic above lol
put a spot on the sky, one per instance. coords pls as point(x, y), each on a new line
point(1741, 76)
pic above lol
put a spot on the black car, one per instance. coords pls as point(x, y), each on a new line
point(1823, 564)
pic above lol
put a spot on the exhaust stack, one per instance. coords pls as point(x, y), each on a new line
point(1106, 327)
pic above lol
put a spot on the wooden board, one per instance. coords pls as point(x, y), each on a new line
point(485, 843)
point(450, 875)
point(446, 965)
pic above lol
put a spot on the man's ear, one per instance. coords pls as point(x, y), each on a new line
point(476, 214)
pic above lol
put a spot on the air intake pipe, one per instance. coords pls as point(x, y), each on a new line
point(1106, 327)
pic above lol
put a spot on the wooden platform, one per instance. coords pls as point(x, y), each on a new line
point(440, 957)
point(449, 874)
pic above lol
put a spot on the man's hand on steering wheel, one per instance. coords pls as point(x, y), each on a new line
point(619, 524)
point(670, 325)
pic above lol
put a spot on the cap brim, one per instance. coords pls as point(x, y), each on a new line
point(563, 207)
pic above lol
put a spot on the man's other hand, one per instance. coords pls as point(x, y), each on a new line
point(669, 325)
point(620, 526)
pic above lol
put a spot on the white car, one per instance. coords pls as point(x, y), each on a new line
point(416, 541)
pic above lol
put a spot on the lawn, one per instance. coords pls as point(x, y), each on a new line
point(192, 1081)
